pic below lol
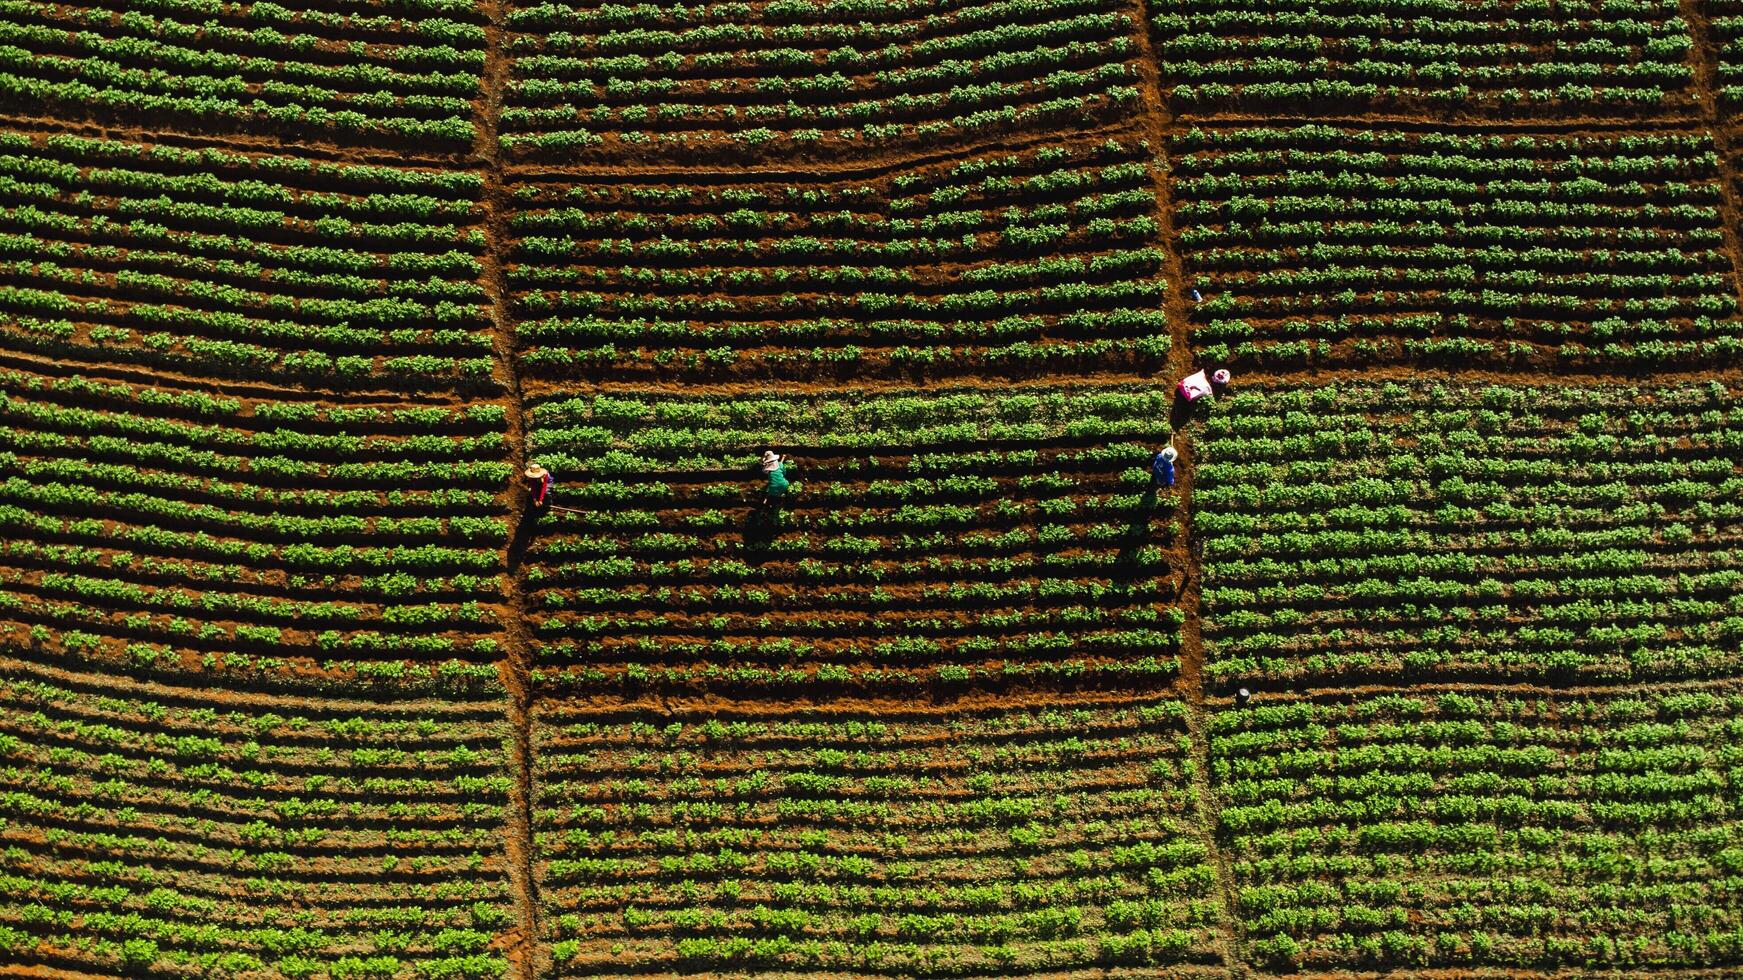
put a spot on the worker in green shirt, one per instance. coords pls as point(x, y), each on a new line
point(776, 469)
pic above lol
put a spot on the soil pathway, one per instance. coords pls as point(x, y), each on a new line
point(521, 943)
point(1157, 122)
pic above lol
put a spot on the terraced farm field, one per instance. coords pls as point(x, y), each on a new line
point(1421, 656)
point(958, 539)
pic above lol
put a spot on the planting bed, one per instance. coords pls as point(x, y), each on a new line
point(221, 264)
point(179, 831)
point(1046, 260)
point(1458, 828)
point(1325, 245)
point(1397, 533)
point(400, 69)
point(188, 531)
point(894, 842)
point(810, 79)
point(1615, 58)
point(958, 538)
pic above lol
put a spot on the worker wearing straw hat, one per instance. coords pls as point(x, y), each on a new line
point(775, 468)
point(1162, 467)
point(538, 483)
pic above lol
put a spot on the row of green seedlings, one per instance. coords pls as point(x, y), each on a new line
point(1725, 27)
point(1622, 56)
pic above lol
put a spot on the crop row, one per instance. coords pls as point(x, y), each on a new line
point(191, 832)
point(1046, 260)
point(957, 537)
point(1326, 244)
point(900, 843)
point(411, 73)
point(215, 263)
point(1467, 830)
point(804, 78)
point(1400, 532)
point(1594, 57)
point(168, 528)
point(1725, 24)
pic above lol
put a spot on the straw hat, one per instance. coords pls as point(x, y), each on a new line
point(535, 472)
point(771, 461)
point(1221, 377)
point(1170, 454)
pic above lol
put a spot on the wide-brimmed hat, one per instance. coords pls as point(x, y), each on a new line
point(534, 471)
point(1170, 454)
point(771, 460)
point(1221, 377)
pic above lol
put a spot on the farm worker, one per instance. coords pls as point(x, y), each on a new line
point(538, 483)
point(776, 469)
point(1194, 386)
point(1162, 467)
point(1196, 298)
point(1220, 379)
point(1243, 696)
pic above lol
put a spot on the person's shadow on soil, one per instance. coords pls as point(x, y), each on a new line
point(1135, 536)
point(761, 525)
point(1182, 413)
point(523, 536)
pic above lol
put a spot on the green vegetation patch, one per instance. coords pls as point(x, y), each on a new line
point(954, 537)
point(157, 530)
point(811, 78)
point(1317, 245)
point(155, 830)
point(386, 71)
point(1049, 260)
point(1479, 828)
point(223, 265)
point(1366, 532)
point(901, 843)
point(1609, 58)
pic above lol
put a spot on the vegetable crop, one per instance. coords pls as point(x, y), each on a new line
point(228, 264)
point(1419, 654)
point(227, 835)
point(1405, 532)
point(938, 538)
point(1012, 264)
point(1009, 841)
point(1503, 56)
point(840, 76)
point(1318, 244)
point(406, 69)
point(1464, 829)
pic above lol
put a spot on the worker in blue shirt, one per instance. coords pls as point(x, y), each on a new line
point(1162, 467)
